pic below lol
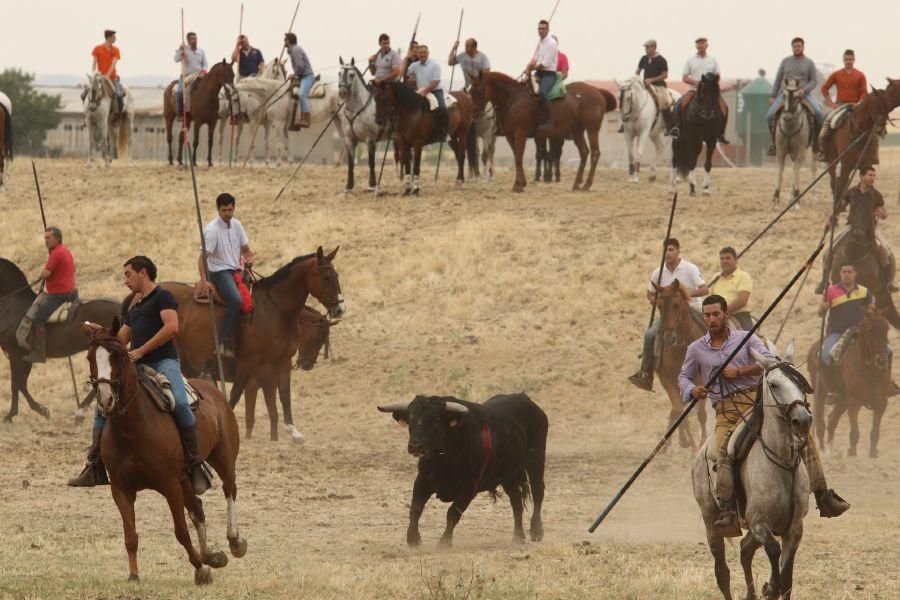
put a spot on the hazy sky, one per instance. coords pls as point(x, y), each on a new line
point(603, 39)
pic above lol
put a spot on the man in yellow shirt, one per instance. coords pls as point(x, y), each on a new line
point(735, 286)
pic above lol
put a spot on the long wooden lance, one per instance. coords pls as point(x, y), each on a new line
point(662, 261)
point(291, 28)
point(231, 140)
point(712, 379)
point(37, 186)
point(310, 151)
point(538, 47)
point(184, 92)
point(437, 168)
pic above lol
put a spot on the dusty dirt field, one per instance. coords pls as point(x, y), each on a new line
point(469, 293)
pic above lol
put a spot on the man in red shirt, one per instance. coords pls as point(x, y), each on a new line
point(851, 89)
point(106, 56)
point(59, 283)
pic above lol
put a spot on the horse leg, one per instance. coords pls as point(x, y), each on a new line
point(14, 393)
point(24, 371)
point(272, 408)
point(833, 418)
point(175, 498)
point(250, 392)
point(539, 152)
point(578, 139)
point(660, 147)
point(194, 507)
point(749, 546)
point(877, 413)
point(797, 164)
point(593, 136)
point(461, 144)
point(518, 146)
point(692, 183)
point(707, 167)
point(853, 415)
point(124, 500)
point(490, 143)
point(701, 417)
point(723, 574)
point(638, 156)
point(779, 179)
point(81, 410)
point(370, 146)
point(237, 387)
point(764, 536)
point(790, 542)
point(196, 127)
point(210, 132)
point(417, 165)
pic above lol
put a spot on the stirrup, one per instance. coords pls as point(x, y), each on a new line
point(201, 478)
point(830, 504)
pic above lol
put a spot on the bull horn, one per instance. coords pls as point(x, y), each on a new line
point(456, 407)
point(393, 407)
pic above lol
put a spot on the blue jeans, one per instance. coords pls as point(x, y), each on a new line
point(770, 115)
point(439, 96)
point(827, 345)
point(306, 83)
point(171, 368)
point(224, 282)
point(546, 81)
point(48, 304)
point(647, 358)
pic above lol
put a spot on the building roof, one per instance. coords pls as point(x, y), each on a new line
point(677, 85)
point(146, 99)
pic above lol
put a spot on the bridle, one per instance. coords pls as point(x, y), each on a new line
point(113, 346)
point(873, 347)
point(329, 267)
point(707, 113)
point(347, 87)
point(321, 323)
point(680, 337)
point(789, 109)
point(95, 95)
point(626, 116)
point(233, 98)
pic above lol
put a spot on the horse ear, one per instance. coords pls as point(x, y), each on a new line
point(352, 61)
point(676, 284)
point(790, 352)
point(874, 91)
point(320, 254)
point(341, 60)
point(332, 254)
point(761, 359)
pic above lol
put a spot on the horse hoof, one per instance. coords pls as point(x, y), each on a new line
point(706, 191)
point(44, 412)
point(633, 180)
point(518, 539)
point(873, 453)
point(537, 534)
point(652, 179)
point(851, 452)
point(134, 577)
point(238, 547)
point(415, 193)
point(407, 192)
point(203, 576)
point(8, 418)
point(216, 560)
point(296, 436)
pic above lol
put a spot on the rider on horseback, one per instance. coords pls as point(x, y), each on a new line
point(386, 64)
point(863, 197)
point(303, 77)
point(732, 397)
point(694, 69)
point(249, 59)
point(427, 74)
point(656, 69)
point(544, 64)
point(150, 325)
point(106, 57)
point(851, 89)
point(689, 277)
point(473, 62)
point(735, 285)
point(800, 67)
point(58, 276)
point(195, 66)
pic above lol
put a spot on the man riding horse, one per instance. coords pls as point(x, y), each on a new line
point(851, 90)
point(249, 59)
point(694, 69)
point(227, 246)
point(735, 285)
point(732, 397)
point(473, 63)
point(689, 277)
point(195, 66)
point(303, 78)
point(862, 197)
point(544, 64)
point(427, 75)
point(150, 325)
point(58, 276)
point(386, 64)
point(801, 68)
point(655, 69)
point(106, 57)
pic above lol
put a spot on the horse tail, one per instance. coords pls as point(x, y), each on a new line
point(8, 134)
point(610, 99)
point(124, 132)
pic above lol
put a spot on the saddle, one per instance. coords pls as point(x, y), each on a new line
point(318, 90)
point(189, 82)
point(66, 312)
point(61, 316)
point(840, 348)
point(159, 388)
point(836, 117)
point(661, 95)
point(244, 283)
point(557, 92)
point(448, 99)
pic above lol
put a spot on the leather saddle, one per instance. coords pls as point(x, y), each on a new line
point(158, 387)
point(66, 311)
point(201, 296)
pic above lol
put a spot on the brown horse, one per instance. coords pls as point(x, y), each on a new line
point(677, 330)
point(313, 331)
point(416, 126)
point(866, 373)
point(141, 449)
point(271, 335)
point(6, 140)
point(203, 105)
point(872, 112)
point(63, 339)
point(582, 110)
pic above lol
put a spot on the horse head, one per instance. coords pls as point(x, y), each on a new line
point(790, 103)
point(324, 285)
point(873, 337)
point(785, 388)
point(94, 91)
point(350, 74)
point(479, 92)
point(109, 364)
point(314, 334)
point(672, 301)
point(708, 90)
point(222, 73)
point(274, 70)
point(862, 224)
point(893, 92)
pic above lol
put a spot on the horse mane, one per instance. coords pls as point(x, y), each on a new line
point(794, 375)
point(406, 96)
point(282, 273)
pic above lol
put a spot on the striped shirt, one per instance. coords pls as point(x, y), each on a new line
point(702, 359)
point(845, 308)
point(195, 60)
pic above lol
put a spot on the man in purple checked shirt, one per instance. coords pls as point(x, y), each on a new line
point(731, 397)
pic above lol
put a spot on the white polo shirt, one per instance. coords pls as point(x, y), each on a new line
point(697, 66)
point(547, 54)
point(687, 274)
point(223, 242)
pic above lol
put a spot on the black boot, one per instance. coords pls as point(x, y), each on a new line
point(546, 123)
point(38, 345)
point(193, 462)
point(835, 383)
point(94, 472)
point(830, 504)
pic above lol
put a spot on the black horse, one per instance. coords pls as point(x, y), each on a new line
point(702, 121)
point(63, 339)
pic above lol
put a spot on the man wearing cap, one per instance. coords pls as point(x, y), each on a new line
point(106, 57)
point(386, 64)
point(303, 73)
point(195, 65)
point(694, 69)
point(249, 59)
point(800, 67)
point(656, 69)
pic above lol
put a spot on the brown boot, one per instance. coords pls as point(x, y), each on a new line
point(830, 504)
point(193, 462)
point(304, 120)
point(643, 380)
point(39, 345)
point(727, 523)
point(94, 472)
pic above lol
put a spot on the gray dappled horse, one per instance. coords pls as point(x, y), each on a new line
point(774, 481)
point(793, 137)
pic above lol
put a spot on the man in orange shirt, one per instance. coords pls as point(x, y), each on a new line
point(851, 89)
point(106, 57)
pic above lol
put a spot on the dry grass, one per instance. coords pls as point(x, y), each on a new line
point(467, 293)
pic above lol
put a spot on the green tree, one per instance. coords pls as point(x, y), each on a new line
point(33, 113)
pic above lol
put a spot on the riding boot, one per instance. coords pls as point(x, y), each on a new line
point(546, 123)
point(722, 140)
point(771, 150)
point(38, 345)
point(304, 120)
point(727, 522)
point(835, 383)
point(643, 379)
point(830, 504)
point(94, 472)
point(193, 463)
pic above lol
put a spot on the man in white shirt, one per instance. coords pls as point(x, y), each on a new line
point(427, 75)
point(195, 65)
point(694, 69)
point(227, 245)
point(544, 63)
point(690, 278)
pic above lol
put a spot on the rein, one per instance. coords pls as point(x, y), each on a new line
point(114, 384)
point(626, 116)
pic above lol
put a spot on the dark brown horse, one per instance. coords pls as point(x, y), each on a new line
point(6, 141)
point(313, 331)
point(872, 112)
point(271, 336)
point(866, 373)
point(63, 339)
point(142, 450)
point(547, 156)
point(203, 107)
point(700, 123)
point(582, 110)
point(677, 330)
point(415, 126)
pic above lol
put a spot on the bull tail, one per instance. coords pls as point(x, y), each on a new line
point(610, 99)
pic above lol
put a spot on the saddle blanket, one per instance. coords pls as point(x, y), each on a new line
point(6, 102)
point(558, 90)
point(160, 389)
point(836, 116)
point(433, 104)
point(202, 297)
point(318, 90)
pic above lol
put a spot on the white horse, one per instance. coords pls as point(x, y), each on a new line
point(792, 137)
point(641, 121)
point(774, 480)
point(357, 120)
point(97, 102)
point(485, 132)
point(244, 107)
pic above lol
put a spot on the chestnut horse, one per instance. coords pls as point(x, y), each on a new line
point(6, 139)
point(141, 449)
point(63, 339)
point(270, 337)
point(313, 331)
point(677, 330)
point(866, 373)
point(873, 111)
point(581, 110)
point(203, 107)
point(416, 126)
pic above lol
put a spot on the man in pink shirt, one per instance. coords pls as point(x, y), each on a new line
point(562, 62)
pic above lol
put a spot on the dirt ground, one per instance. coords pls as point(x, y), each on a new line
point(469, 293)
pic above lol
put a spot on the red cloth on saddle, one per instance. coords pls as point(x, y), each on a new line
point(246, 299)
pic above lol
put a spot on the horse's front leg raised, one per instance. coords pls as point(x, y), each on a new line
point(707, 166)
point(175, 499)
point(194, 506)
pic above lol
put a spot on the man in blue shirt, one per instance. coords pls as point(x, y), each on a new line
point(305, 78)
point(250, 60)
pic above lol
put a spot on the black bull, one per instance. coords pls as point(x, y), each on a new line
point(465, 448)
